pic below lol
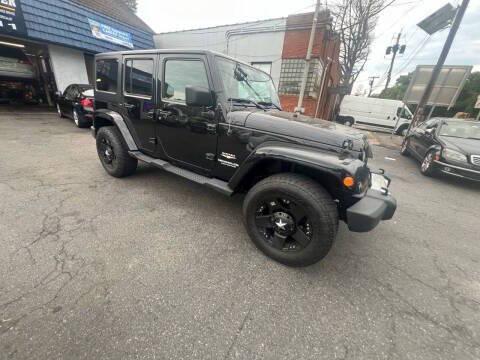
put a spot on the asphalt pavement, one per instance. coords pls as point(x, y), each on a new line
point(155, 267)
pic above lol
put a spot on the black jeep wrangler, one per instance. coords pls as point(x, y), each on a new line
point(218, 122)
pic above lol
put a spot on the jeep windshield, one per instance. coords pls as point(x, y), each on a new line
point(246, 85)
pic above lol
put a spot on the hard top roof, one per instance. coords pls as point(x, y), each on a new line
point(170, 51)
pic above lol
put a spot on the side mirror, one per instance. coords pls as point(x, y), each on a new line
point(198, 96)
point(169, 91)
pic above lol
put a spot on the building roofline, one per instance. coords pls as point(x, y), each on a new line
point(219, 26)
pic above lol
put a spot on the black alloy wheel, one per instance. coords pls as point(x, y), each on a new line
point(113, 153)
point(283, 223)
point(106, 151)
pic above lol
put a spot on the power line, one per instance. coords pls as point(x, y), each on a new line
point(407, 62)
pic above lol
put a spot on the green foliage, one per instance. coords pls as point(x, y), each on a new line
point(398, 90)
point(468, 97)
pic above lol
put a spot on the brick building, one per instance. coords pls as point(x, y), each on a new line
point(324, 72)
point(278, 47)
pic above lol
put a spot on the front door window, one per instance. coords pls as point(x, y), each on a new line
point(182, 73)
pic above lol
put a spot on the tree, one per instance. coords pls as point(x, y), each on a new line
point(355, 22)
point(397, 91)
point(132, 4)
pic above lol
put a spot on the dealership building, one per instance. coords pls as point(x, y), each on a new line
point(60, 38)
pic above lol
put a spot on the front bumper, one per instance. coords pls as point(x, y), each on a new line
point(458, 171)
point(375, 206)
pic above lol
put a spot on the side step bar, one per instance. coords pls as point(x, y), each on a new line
point(212, 183)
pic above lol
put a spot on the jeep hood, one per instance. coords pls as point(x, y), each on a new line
point(306, 128)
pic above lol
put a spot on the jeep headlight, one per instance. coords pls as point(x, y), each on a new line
point(452, 155)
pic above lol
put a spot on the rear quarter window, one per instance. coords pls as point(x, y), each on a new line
point(107, 75)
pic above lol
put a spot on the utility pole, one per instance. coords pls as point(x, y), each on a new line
point(371, 82)
point(308, 58)
point(394, 49)
point(420, 112)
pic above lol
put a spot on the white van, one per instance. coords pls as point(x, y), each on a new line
point(375, 113)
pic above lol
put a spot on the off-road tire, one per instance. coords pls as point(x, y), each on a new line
point(317, 202)
point(123, 164)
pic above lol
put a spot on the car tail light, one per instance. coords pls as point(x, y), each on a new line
point(87, 104)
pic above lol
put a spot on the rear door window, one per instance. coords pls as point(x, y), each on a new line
point(139, 77)
point(107, 75)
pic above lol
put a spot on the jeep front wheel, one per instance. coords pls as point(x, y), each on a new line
point(113, 153)
point(291, 218)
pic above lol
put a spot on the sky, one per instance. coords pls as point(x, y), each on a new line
point(402, 16)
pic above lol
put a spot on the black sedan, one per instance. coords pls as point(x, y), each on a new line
point(76, 102)
point(449, 146)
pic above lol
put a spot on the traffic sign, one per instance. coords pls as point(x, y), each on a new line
point(439, 20)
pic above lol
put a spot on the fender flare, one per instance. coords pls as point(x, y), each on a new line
point(328, 162)
point(116, 119)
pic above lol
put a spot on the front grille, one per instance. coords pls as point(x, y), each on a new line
point(476, 160)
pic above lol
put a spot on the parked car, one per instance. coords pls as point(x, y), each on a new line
point(218, 122)
point(449, 146)
point(76, 102)
point(15, 65)
point(391, 115)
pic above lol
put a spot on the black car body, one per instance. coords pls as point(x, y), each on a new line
point(449, 146)
point(184, 111)
point(76, 102)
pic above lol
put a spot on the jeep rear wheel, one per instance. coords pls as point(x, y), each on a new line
point(113, 153)
point(291, 218)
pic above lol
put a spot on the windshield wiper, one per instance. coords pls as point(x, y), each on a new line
point(266, 103)
point(246, 101)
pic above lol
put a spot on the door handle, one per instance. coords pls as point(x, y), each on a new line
point(129, 106)
point(211, 128)
point(163, 114)
point(150, 114)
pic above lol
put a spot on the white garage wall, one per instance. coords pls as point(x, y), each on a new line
point(68, 66)
point(260, 41)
